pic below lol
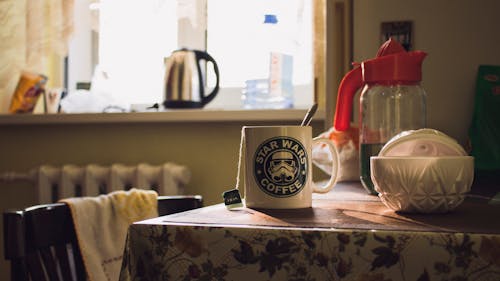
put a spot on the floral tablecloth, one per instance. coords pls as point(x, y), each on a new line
point(187, 246)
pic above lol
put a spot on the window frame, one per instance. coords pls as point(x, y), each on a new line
point(88, 40)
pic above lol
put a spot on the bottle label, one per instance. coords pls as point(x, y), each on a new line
point(280, 74)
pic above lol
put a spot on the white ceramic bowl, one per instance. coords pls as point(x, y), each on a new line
point(422, 184)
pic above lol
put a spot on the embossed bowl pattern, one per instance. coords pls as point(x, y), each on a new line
point(422, 184)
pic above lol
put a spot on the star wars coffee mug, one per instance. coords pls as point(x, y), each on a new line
point(278, 167)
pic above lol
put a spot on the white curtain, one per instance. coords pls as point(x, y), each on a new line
point(134, 38)
point(34, 37)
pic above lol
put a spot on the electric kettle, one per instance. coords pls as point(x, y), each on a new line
point(391, 100)
point(184, 81)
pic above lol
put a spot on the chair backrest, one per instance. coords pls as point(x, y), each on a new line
point(40, 241)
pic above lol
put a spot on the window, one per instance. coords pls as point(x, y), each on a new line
point(132, 38)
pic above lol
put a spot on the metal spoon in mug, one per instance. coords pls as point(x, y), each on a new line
point(309, 115)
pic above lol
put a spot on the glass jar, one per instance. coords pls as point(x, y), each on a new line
point(385, 111)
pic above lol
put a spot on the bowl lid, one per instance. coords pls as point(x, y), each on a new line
point(422, 142)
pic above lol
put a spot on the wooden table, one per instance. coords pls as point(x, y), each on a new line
point(346, 235)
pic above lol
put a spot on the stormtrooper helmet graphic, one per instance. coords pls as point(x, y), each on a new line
point(282, 167)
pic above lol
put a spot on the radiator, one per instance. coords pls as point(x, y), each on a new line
point(56, 182)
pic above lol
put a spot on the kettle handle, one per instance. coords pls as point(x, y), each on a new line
point(349, 85)
point(205, 56)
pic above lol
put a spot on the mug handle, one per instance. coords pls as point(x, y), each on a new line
point(205, 56)
point(335, 166)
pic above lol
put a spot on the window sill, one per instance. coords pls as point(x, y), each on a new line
point(172, 116)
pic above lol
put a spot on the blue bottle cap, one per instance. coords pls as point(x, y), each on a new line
point(269, 18)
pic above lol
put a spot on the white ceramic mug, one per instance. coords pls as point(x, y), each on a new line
point(278, 167)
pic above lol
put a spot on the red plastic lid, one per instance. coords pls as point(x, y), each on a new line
point(400, 67)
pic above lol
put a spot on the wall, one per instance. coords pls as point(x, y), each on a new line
point(458, 36)
point(209, 149)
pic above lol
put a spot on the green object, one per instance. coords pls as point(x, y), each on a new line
point(367, 151)
point(484, 132)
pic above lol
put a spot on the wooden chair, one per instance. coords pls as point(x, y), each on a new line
point(40, 241)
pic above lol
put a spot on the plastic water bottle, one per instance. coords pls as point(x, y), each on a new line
point(274, 90)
